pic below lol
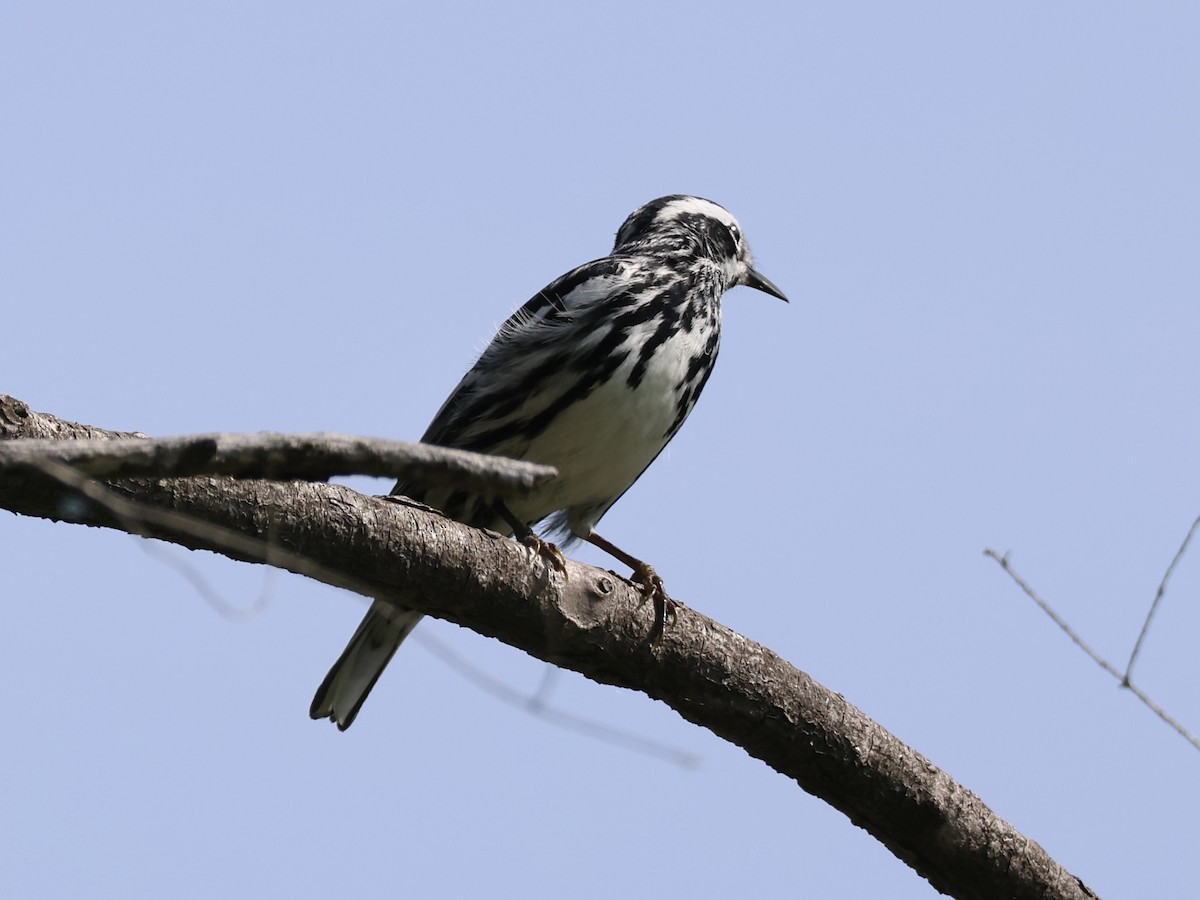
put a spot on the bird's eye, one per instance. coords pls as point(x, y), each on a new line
point(737, 234)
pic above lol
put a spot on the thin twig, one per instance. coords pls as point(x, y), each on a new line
point(1162, 589)
point(1058, 620)
point(1086, 648)
point(1162, 713)
point(134, 517)
point(535, 704)
point(280, 457)
point(202, 586)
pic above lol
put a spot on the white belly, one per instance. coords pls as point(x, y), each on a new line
point(601, 444)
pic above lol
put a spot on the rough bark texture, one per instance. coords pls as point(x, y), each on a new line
point(595, 624)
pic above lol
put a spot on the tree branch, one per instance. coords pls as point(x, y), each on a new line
point(315, 457)
point(594, 623)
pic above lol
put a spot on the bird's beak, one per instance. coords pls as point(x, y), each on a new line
point(760, 283)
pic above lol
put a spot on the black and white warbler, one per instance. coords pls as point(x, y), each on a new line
point(594, 376)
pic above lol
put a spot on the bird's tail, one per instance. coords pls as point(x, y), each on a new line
point(345, 688)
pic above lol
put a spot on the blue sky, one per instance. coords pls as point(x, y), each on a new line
point(303, 217)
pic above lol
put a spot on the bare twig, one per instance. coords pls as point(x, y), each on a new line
point(170, 557)
point(1108, 667)
point(314, 457)
point(1158, 595)
point(536, 705)
point(147, 521)
point(1058, 620)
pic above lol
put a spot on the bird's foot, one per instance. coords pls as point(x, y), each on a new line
point(549, 552)
point(652, 586)
point(653, 590)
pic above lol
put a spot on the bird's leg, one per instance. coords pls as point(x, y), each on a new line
point(652, 586)
point(546, 550)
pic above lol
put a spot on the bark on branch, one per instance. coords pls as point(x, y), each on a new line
point(594, 623)
point(315, 457)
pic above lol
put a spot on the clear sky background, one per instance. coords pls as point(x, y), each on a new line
point(302, 217)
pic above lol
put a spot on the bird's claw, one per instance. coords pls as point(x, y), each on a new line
point(548, 552)
point(664, 606)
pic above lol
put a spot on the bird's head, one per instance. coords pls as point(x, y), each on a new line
point(700, 226)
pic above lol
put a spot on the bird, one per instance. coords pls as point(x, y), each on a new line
point(594, 375)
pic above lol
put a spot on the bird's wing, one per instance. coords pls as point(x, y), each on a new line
point(521, 358)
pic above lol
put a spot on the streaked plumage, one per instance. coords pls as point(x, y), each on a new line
point(594, 375)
